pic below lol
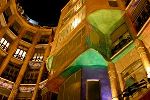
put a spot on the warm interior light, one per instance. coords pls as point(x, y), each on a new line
point(76, 22)
point(92, 79)
point(77, 7)
point(148, 75)
point(148, 72)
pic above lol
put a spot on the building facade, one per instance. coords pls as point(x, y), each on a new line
point(24, 48)
point(99, 51)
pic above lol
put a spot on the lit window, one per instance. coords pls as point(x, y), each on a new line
point(73, 1)
point(4, 44)
point(20, 54)
point(37, 57)
point(76, 22)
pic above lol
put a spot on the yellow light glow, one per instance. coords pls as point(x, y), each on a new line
point(77, 7)
point(76, 22)
point(148, 71)
point(92, 79)
point(148, 75)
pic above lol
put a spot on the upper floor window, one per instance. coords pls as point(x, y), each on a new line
point(78, 5)
point(4, 44)
point(44, 39)
point(20, 54)
point(38, 57)
point(141, 13)
point(120, 38)
point(75, 21)
point(15, 28)
point(7, 13)
point(113, 3)
point(127, 2)
point(73, 10)
point(122, 41)
point(28, 37)
point(11, 72)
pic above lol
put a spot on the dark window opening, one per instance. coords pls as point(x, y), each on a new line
point(7, 13)
point(44, 39)
point(3, 97)
point(28, 37)
point(45, 75)
point(30, 77)
point(127, 2)
point(121, 42)
point(93, 90)
point(142, 12)
point(113, 3)
point(15, 28)
point(11, 72)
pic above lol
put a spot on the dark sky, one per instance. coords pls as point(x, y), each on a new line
point(46, 12)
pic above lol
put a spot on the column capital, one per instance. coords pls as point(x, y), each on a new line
point(111, 66)
point(138, 43)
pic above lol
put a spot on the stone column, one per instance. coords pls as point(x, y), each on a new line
point(23, 68)
point(142, 51)
point(47, 52)
point(122, 82)
point(113, 80)
point(11, 51)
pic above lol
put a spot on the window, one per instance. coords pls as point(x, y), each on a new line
point(75, 22)
point(134, 76)
point(113, 3)
point(15, 27)
point(77, 6)
point(93, 89)
point(7, 13)
point(28, 37)
point(11, 72)
point(4, 44)
point(44, 39)
point(141, 14)
point(121, 42)
point(72, 11)
point(37, 57)
point(127, 2)
point(20, 54)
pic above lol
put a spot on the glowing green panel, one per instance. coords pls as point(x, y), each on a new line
point(49, 62)
point(106, 20)
point(90, 58)
point(103, 23)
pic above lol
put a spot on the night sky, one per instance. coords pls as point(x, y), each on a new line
point(46, 12)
